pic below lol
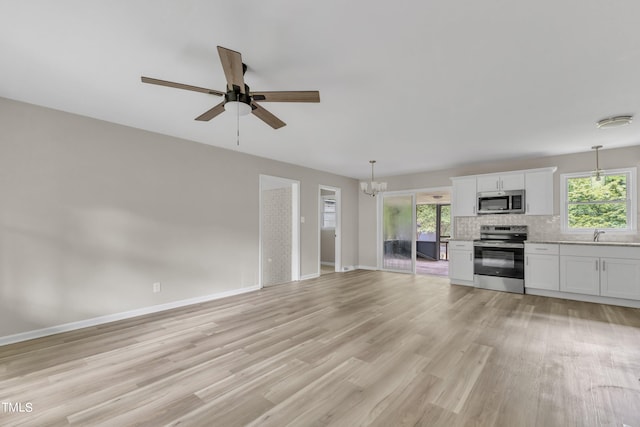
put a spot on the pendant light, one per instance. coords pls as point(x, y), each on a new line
point(376, 187)
point(597, 175)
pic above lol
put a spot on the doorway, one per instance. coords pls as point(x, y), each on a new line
point(414, 228)
point(329, 230)
point(433, 232)
point(279, 253)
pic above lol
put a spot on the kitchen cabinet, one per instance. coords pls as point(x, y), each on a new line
point(539, 192)
point(461, 262)
point(610, 271)
point(463, 199)
point(542, 266)
point(620, 278)
point(537, 183)
point(501, 182)
point(579, 274)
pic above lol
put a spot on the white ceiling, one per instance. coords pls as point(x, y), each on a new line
point(417, 85)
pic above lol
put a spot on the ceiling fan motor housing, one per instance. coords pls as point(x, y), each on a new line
point(234, 95)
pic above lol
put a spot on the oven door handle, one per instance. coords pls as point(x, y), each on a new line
point(498, 245)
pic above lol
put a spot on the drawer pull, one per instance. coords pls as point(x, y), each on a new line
point(541, 249)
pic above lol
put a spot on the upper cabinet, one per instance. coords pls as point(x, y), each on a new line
point(539, 192)
point(537, 183)
point(501, 182)
point(463, 199)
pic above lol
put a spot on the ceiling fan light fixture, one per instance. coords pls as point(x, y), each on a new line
point(237, 108)
point(614, 122)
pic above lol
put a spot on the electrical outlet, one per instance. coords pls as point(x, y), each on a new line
point(157, 287)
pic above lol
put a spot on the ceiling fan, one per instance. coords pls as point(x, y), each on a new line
point(238, 98)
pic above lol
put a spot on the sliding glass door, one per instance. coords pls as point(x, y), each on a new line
point(398, 233)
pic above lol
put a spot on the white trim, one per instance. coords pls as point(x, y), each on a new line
point(581, 297)
point(366, 267)
point(327, 263)
point(66, 327)
point(295, 231)
point(632, 202)
point(310, 276)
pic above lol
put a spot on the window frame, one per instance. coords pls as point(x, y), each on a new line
point(323, 212)
point(632, 202)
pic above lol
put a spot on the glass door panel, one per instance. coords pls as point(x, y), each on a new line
point(398, 233)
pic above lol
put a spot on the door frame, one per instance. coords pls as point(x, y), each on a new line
point(295, 224)
point(338, 230)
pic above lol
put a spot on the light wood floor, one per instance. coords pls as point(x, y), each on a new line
point(357, 348)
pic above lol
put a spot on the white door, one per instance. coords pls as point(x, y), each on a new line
point(620, 278)
point(580, 274)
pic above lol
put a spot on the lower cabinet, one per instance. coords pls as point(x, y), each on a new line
point(620, 278)
point(608, 271)
point(579, 275)
point(461, 262)
point(542, 267)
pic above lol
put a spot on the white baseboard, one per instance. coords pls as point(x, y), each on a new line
point(366, 267)
point(52, 330)
point(327, 263)
point(310, 276)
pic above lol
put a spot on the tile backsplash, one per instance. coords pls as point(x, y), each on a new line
point(541, 228)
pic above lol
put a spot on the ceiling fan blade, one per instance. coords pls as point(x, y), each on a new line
point(232, 66)
point(266, 116)
point(291, 96)
point(180, 86)
point(210, 114)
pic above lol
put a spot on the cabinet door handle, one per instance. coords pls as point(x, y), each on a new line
point(603, 267)
point(527, 207)
point(470, 259)
point(497, 184)
point(597, 265)
point(527, 260)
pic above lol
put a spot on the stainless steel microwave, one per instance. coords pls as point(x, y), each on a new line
point(501, 202)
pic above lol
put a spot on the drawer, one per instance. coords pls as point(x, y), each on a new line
point(541, 248)
point(601, 250)
point(461, 244)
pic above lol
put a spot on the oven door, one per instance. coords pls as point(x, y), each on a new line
point(499, 259)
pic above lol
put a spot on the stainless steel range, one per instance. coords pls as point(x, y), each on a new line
point(499, 258)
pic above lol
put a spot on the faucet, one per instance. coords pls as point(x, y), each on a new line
point(596, 235)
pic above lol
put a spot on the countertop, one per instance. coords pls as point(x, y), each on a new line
point(586, 242)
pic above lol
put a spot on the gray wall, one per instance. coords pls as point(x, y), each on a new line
point(92, 213)
point(580, 162)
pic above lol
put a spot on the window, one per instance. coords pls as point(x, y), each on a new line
point(328, 212)
point(608, 204)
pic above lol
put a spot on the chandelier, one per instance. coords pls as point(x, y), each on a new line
point(376, 187)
